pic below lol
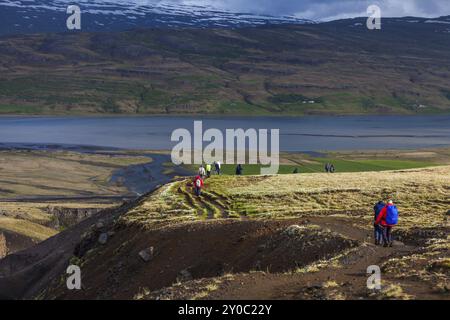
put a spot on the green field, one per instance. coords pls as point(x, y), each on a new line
point(318, 165)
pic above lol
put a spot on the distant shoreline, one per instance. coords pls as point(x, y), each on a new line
point(217, 115)
point(95, 149)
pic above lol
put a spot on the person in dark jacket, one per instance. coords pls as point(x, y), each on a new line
point(378, 231)
point(217, 167)
point(239, 170)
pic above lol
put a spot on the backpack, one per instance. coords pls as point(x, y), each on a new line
point(391, 215)
point(198, 183)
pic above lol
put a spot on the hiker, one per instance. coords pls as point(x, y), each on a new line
point(201, 171)
point(387, 218)
point(208, 170)
point(295, 170)
point(378, 231)
point(239, 170)
point(198, 185)
point(327, 167)
point(217, 167)
point(332, 168)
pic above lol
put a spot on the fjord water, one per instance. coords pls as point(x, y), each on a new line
point(296, 134)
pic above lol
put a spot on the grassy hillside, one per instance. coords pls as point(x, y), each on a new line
point(260, 237)
point(289, 236)
point(421, 193)
point(331, 68)
point(26, 228)
point(47, 192)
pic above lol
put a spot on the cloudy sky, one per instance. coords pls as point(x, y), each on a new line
point(326, 9)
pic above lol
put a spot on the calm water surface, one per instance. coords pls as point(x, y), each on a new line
point(296, 134)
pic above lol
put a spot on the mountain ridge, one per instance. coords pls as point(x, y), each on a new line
point(337, 68)
point(18, 17)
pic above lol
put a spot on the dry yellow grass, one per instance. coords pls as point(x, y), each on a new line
point(431, 265)
point(37, 212)
point(422, 196)
point(26, 228)
point(165, 205)
point(27, 211)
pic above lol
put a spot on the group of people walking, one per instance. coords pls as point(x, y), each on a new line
point(385, 218)
point(204, 172)
point(329, 167)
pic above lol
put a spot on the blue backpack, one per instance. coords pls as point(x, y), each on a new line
point(392, 215)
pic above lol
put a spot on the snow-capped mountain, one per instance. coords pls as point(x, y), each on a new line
point(31, 16)
point(420, 24)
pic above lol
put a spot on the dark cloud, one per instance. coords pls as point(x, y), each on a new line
point(327, 9)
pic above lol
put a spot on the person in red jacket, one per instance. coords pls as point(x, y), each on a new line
point(198, 185)
point(386, 228)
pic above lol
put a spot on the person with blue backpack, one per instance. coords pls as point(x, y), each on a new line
point(387, 218)
point(378, 230)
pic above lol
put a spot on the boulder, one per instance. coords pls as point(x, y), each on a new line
point(293, 230)
point(103, 238)
point(147, 254)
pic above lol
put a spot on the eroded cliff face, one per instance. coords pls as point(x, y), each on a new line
point(11, 242)
point(64, 217)
point(20, 230)
point(25, 273)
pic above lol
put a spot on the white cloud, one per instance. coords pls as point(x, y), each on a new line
point(320, 9)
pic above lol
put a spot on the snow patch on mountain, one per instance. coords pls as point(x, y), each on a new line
point(437, 21)
point(129, 8)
